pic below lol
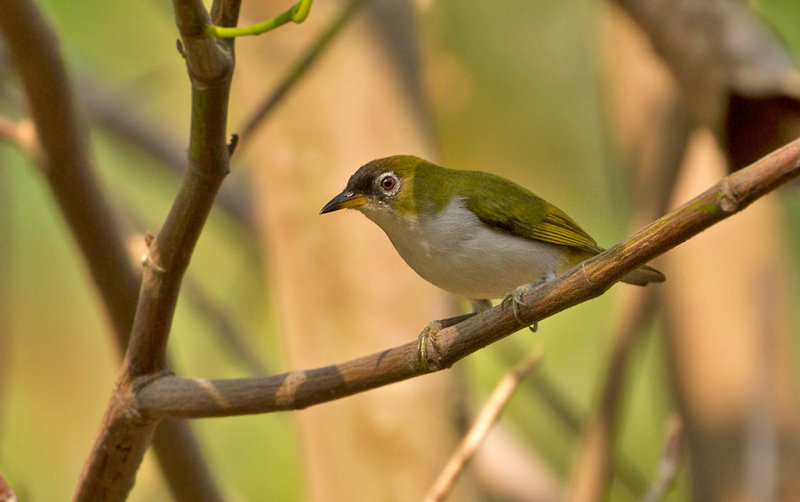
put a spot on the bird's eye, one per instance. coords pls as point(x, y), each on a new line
point(388, 182)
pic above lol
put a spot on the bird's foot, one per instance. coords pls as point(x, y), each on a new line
point(427, 335)
point(514, 299)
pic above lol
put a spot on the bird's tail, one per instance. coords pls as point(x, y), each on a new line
point(643, 276)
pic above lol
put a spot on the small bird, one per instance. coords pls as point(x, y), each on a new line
point(471, 233)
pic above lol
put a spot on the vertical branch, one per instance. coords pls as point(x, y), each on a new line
point(124, 435)
point(62, 151)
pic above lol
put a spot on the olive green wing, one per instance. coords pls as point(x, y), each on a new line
point(513, 209)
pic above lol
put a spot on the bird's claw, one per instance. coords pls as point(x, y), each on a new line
point(426, 335)
point(514, 298)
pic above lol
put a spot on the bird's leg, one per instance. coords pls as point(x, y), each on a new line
point(429, 331)
point(514, 298)
point(480, 305)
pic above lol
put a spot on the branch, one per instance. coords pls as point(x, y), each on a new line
point(296, 14)
point(669, 464)
point(483, 423)
point(543, 388)
point(113, 112)
point(594, 468)
point(60, 145)
point(65, 160)
point(735, 76)
point(124, 436)
point(177, 397)
point(300, 68)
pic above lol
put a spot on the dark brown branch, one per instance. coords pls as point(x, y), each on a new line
point(111, 467)
point(219, 320)
point(61, 147)
point(63, 141)
point(186, 398)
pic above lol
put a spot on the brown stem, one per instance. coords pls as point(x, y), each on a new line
point(489, 414)
point(669, 463)
point(61, 147)
point(63, 139)
point(176, 397)
point(124, 435)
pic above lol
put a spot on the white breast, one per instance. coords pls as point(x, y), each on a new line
point(457, 252)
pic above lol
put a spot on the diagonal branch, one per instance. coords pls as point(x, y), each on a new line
point(300, 68)
point(177, 397)
point(594, 468)
point(488, 416)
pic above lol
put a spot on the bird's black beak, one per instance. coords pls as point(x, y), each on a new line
point(344, 200)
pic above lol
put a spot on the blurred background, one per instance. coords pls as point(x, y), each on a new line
point(613, 111)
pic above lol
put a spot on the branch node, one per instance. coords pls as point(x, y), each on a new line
point(728, 200)
point(147, 261)
point(234, 142)
point(179, 46)
point(586, 277)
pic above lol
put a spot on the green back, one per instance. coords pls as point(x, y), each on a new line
point(499, 203)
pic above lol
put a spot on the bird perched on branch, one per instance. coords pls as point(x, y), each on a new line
point(471, 233)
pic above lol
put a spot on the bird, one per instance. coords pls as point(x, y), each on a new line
point(471, 233)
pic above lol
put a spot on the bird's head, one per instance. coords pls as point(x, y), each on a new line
point(383, 188)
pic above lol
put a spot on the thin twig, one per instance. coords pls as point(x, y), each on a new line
point(296, 14)
point(21, 133)
point(541, 387)
point(594, 467)
point(669, 464)
point(299, 69)
point(221, 323)
point(489, 414)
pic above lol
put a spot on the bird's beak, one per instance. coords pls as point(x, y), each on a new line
point(344, 200)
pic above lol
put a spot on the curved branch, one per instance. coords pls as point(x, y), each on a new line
point(176, 397)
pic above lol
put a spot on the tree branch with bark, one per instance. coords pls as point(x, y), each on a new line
point(124, 435)
point(176, 397)
point(60, 146)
